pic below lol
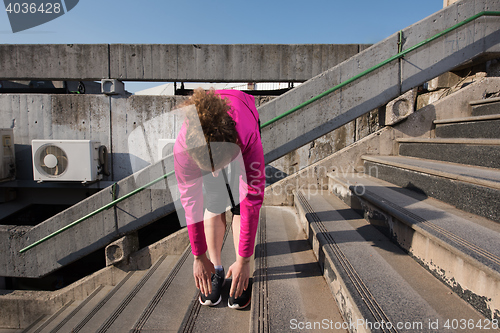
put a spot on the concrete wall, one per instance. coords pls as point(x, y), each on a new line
point(170, 62)
point(129, 127)
point(324, 146)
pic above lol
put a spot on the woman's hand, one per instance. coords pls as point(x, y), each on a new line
point(240, 271)
point(202, 272)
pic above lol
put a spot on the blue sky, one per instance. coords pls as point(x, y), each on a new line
point(225, 22)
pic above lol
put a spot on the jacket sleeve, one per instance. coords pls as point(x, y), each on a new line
point(189, 182)
point(253, 158)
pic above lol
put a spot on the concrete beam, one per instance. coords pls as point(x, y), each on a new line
point(226, 63)
point(171, 62)
point(58, 62)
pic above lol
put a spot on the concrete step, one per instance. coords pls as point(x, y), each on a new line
point(376, 284)
point(75, 317)
point(125, 315)
point(219, 318)
point(70, 314)
point(92, 320)
point(289, 293)
point(169, 304)
point(469, 127)
point(479, 187)
point(129, 304)
point(459, 248)
point(479, 152)
point(51, 323)
point(485, 106)
point(115, 309)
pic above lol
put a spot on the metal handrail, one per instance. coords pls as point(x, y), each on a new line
point(298, 107)
point(103, 208)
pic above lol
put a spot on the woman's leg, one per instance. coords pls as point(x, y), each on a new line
point(236, 232)
point(215, 228)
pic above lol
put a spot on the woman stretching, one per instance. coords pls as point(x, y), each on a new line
point(223, 130)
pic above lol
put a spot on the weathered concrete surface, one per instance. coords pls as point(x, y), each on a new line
point(226, 63)
point(446, 80)
point(64, 117)
point(420, 124)
point(172, 62)
point(68, 62)
point(138, 122)
point(323, 146)
point(120, 250)
point(400, 108)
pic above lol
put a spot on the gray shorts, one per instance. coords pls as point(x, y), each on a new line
point(221, 191)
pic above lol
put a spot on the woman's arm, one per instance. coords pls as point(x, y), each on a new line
point(189, 182)
point(253, 158)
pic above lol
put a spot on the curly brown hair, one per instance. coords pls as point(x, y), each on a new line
point(217, 126)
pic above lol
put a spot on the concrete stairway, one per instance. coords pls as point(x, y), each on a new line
point(119, 308)
point(377, 286)
point(413, 239)
point(289, 292)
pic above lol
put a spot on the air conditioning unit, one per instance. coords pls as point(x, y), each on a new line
point(66, 160)
point(7, 155)
point(165, 148)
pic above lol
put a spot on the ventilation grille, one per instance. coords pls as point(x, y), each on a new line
point(53, 161)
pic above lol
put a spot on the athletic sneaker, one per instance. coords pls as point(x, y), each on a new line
point(214, 297)
point(243, 301)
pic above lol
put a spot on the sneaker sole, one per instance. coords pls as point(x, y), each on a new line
point(237, 306)
point(209, 302)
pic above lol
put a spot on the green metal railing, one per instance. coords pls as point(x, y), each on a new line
point(383, 63)
point(298, 107)
point(103, 208)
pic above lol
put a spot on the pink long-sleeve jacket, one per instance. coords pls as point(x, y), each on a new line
point(251, 189)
